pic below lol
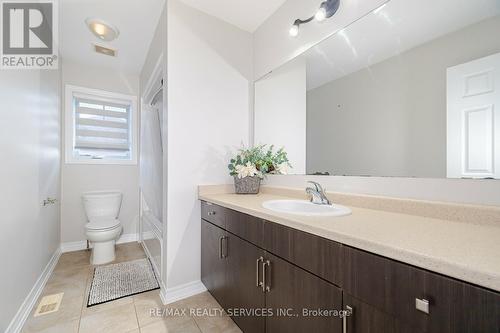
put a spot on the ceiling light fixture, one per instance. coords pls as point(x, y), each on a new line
point(102, 30)
point(326, 10)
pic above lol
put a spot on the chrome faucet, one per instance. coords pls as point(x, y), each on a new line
point(317, 194)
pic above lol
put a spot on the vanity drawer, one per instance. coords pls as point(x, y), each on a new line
point(396, 288)
point(213, 213)
point(248, 227)
point(315, 254)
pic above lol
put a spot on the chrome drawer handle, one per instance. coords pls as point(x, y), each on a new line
point(268, 286)
point(263, 284)
point(224, 248)
point(422, 305)
point(221, 254)
point(257, 281)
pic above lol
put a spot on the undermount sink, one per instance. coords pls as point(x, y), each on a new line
point(305, 208)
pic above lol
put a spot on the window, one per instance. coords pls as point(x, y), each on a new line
point(100, 127)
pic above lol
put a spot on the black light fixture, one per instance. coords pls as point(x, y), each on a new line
point(326, 10)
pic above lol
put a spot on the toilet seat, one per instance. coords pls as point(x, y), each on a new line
point(102, 224)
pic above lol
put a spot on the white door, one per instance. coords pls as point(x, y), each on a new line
point(473, 119)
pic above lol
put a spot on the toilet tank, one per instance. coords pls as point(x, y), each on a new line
point(103, 204)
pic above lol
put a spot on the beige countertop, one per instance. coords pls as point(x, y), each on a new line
point(465, 251)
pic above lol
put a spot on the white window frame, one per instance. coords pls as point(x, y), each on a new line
point(99, 95)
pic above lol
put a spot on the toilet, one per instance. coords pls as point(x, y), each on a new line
point(103, 227)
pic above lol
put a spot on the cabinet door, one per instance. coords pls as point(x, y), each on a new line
point(243, 292)
point(315, 254)
point(396, 288)
point(290, 287)
point(213, 264)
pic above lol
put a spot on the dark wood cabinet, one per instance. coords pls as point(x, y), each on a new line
point(262, 292)
point(450, 306)
point(244, 294)
point(213, 265)
point(252, 266)
point(299, 300)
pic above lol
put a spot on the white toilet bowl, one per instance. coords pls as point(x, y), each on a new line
point(104, 228)
point(103, 234)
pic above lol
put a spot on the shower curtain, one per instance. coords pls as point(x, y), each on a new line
point(151, 160)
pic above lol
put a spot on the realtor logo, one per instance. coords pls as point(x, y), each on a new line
point(29, 32)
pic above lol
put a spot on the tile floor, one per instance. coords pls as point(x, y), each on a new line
point(73, 275)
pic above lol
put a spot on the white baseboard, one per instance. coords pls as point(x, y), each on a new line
point(82, 245)
point(180, 292)
point(73, 246)
point(22, 314)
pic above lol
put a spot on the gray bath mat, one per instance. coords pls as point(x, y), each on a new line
point(120, 280)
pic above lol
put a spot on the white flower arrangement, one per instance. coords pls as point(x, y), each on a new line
point(259, 161)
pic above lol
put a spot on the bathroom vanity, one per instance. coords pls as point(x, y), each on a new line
point(250, 263)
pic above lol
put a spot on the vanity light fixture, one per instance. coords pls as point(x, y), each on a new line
point(102, 30)
point(294, 30)
point(326, 10)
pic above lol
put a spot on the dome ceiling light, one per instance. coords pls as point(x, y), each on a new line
point(102, 30)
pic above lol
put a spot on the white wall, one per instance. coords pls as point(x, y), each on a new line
point(79, 178)
point(209, 79)
point(29, 173)
point(156, 49)
point(272, 44)
point(280, 112)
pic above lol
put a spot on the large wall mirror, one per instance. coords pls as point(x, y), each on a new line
point(411, 90)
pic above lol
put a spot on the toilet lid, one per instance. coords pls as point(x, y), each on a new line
point(101, 224)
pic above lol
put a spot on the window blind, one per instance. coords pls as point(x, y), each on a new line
point(101, 128)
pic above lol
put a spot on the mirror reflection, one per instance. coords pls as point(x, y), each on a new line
point(409, 90)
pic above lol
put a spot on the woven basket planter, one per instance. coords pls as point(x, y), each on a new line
point(247, 185)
